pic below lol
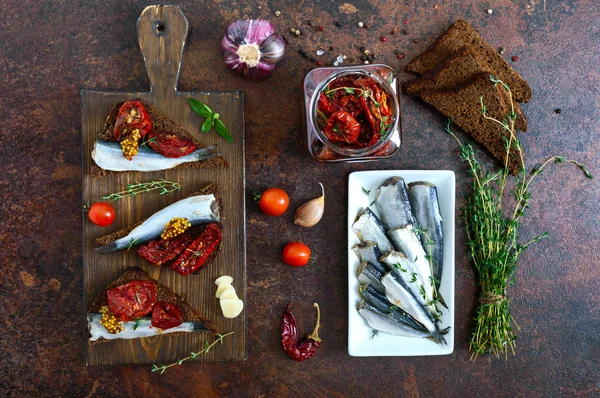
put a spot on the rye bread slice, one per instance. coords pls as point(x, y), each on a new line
point(459, 68)
point(462, 106)
point(462, 34)
point(159, 122)
point(211, 188)
point(163, 293)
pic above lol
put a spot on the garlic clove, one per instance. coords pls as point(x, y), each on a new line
point(229, 293)
point(311, 212)
point(231, 307)
point(224, 279)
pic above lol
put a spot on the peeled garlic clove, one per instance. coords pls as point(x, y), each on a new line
point(221, 289)
point(224, 279)
point(231, 307)
point(229, 293)
point(311, 212)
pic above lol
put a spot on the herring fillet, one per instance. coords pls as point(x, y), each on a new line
point(406, 241)
point(379, 301)
point(371, 274)
point(426, 208)
point(199, 209)
point(381, 321)
point(109, 156)
point(369, 252)
point(393, 205)
point(369, 227)
point(408, 274)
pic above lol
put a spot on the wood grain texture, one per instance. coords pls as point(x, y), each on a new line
point(162, 32)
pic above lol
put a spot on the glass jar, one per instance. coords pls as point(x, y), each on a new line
point(319, 146)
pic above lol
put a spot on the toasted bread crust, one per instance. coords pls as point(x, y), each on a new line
point(462, 106)
point(159, 122)
point(163, 293)
point(462, 34)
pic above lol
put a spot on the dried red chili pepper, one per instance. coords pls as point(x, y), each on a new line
point(161, 251)
point(169, 145)
point(289, 337)
point(370, 118)
point(342, 128)
point(197, 252)
point(132, 115)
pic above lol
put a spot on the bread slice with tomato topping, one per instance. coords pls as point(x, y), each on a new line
point(111, 312)
point(162, 132)
point(186, 253)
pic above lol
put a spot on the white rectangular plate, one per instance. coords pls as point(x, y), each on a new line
point(361, 342)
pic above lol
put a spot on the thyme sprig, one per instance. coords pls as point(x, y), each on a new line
point(494, 238)
point(165, 187)
point(193, 355)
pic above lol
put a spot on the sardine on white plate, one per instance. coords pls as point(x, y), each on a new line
point(381, 321)
point(393, 205)
point(426, 208)
point(369, 227)
point(198, 210)
point(379, 301)
point(109, 156)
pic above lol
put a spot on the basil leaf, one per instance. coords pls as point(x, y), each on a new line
point(207, 125)
point(200, 108)
point(222, 130)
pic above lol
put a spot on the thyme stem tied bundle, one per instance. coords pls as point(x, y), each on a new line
point(493, 237)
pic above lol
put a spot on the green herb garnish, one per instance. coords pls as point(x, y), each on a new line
point(165, 187)
point(212, 119)
point(493, 237)
point(367, 192)
point(207, 347)
point(137, 322)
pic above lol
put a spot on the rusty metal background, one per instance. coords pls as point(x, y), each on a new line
point(52, 49)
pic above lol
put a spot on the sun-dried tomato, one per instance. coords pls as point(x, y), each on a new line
point(169, 145)
point(161, 251)
point(166, 315)
point(342, 128)
point(197, 252)
point(132, 300)
point(132, 115)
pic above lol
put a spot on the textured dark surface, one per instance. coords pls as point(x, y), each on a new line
point(51, 50)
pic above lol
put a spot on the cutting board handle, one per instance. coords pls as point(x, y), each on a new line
point(162, 32)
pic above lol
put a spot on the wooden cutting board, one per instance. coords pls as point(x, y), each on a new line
point(162, 32)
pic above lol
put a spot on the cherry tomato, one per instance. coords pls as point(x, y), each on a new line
point(274, 202)
point(101, 214)
point(296, 254)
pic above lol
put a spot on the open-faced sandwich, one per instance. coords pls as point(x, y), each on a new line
point(184, 236)
point(137, 137)
point(137, 306)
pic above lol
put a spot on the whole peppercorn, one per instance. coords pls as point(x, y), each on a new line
point(319, 28)
point(557, 110)
point(383, 39)
point(360, 24)
point(277, 13)
point(363, 49)
point(337, 23)
point(400, 55)
point(405, 31)
point(515, 58)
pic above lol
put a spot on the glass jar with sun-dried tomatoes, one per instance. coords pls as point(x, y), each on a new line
point(352, 113)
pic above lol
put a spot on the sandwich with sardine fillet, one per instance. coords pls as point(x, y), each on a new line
point(138, 138)
point(462, 34)
point(136, 306)
point(184, 236)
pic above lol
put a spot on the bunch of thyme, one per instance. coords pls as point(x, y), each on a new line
point(494, 238)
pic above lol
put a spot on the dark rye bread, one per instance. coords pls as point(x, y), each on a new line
point(163, 293)
point(462, 34)
point(462, 106)
point(159, 122)
point(459, 68)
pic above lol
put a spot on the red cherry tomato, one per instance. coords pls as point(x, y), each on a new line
point(296, 254)
point(274, 202)
point(101, 214)
point(166, 315)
